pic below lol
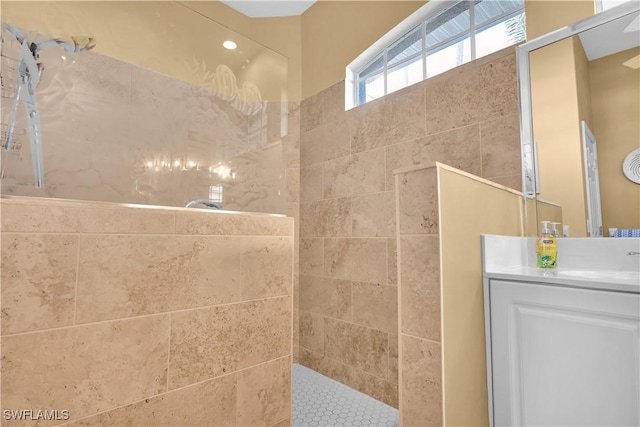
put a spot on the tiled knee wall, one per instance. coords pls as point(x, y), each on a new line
point(132, 316)
point(348, 307)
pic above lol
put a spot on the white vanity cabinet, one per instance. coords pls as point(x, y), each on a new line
point(561, 355)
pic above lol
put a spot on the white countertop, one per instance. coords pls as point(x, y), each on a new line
point(611, 280)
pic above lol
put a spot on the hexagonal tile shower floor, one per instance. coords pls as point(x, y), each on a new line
point(319, 401)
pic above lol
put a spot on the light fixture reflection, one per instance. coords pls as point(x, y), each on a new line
point(228, 44)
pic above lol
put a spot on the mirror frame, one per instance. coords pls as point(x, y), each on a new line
point(524, 90)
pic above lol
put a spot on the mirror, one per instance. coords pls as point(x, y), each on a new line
point(580, 106)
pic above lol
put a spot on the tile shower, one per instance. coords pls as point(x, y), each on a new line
point(348, 307)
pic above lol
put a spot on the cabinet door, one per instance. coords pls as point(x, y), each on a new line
point(564, 356)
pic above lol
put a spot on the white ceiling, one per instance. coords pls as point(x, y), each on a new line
point(611, 37)
point(269, 8)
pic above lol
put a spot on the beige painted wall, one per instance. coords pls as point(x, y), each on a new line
point(495, 211)
point(544, 16)
point(334, 33)
point(616, 126)
point(168, 37)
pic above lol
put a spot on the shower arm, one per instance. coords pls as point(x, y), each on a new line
point(29, 76)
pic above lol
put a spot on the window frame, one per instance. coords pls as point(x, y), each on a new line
point(419, 18)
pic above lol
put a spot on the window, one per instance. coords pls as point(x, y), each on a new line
point(215, 193)
point(441, 35)
point(608, 4)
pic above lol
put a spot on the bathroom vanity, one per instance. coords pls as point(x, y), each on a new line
point(563, 344)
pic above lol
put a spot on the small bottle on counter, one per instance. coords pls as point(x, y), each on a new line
point(547, 248)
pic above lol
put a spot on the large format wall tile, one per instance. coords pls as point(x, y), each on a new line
point(312, 331)
point(264, 393)
point(325, 142)
point(472, 96)
point(418, 208)
point(375, 387)
point(51, 217)
point(420, 271)
point(376, 306)
point(459, 148)
point(501, 147)
point(374, 215)
point(311, 256)
point(212, 341)
point(421, 382)
point(122, 276)
point(326, 218)
point(208, 404)
point(326, 296)
point(353, 175)
point(220, 223)
point(38, 281)
point(363, 348)
point(311, 181)
point(397, 119)
point(327, 366)
point(86, 369)
point(267, 267)
point(359, 259)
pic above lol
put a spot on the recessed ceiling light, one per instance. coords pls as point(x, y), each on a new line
point(229, 45)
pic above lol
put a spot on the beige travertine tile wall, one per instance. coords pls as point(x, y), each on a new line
point(442, 212)
point(137, 316)
point(468, 118)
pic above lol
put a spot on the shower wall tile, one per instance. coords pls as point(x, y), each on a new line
point(267, 267)
point(273, 401)
point(501, 147)
point(510, 181)
point(202, 344)
point(374, 215)
point(312, 256)
point(326, 296)
point(462, 118)
point(397, 119)
point(212, 341)
point(326, 366)
point(86, 369)
point(458, 147)
point(359, 259)
point(38, 281)
point(326, 218)
point(325, 142)
point(312, 331)
point(375, 306)
point(42, 216)
point(122, 276)
point(375, 387)
point(357, 346)
point(293, 184)
point(219, 223)
point(354, 175)
point(420, 279)
point(418, 207)
point(187, 406)
point(477, 95)
point(392, 261)
point(311, 181)
point(422, 382)
point(283, 423)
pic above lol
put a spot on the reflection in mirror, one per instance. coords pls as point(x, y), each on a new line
point(159, 112)
point(585, 109)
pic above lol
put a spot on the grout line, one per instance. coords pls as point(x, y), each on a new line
point(163, 313)
point(169, 351)
point(75, 297)
point(421, 338)
point(351, 322)
point(98, 233)
point(344, 364)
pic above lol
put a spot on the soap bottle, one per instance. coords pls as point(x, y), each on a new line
point(546, 248)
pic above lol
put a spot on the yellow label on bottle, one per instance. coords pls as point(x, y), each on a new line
point(547, 252)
